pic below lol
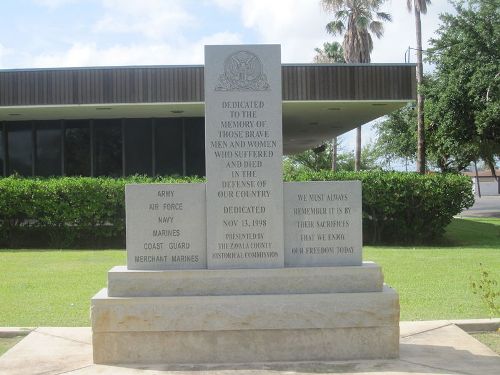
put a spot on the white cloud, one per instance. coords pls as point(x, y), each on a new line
point(161, 32)
point(154, 19)
point(299, 26)
point(227, 4)
point(53, 4)
point(4, 51)
point(90, 54)
point(400, 34)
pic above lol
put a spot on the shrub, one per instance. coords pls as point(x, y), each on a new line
point(66, 211)
point(90, 212)
point(403, 208)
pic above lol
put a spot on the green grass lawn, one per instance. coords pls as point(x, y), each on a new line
point(7, 343)
point(490, 339)
point(53, 288)
point(434, 282)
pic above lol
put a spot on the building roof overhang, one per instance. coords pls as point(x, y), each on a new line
point(320, 101)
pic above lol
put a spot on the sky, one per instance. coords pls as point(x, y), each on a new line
point(73, 33)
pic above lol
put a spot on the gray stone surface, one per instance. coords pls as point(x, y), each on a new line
point(244, 312)
point(129, 283)
point(426, 348)
point(246, 307)
point(246, 346)
point(165, 226)
point(448, 347)
point(49, 350)
point(243, 146)
point(323, 224)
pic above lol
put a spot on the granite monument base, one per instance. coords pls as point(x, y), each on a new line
point(296, 314)
point(248, 346)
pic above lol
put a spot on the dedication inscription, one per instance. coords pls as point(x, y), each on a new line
point(243, 145)
point(323, 223)
point(165, 226)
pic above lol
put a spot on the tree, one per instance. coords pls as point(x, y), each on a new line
point(369, 159)
point(419, 7)
point(321, 159)
point(396, 136)
point(463, 95)
point(356, 20)
point(317, 159)
point(331, 53)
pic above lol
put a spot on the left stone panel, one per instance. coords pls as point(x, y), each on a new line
point(166, 226)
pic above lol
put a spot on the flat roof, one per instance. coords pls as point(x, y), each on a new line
point(320, 101)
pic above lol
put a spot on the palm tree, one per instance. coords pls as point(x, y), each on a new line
point(419, 6)
point(331, 53)
point(356, 20)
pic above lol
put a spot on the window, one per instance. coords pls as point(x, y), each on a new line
point(168, 146)
point(138, 153)
point(20, 148)
point(77, 148)
point(195, 146)
point(48, 148)
point(108, 148)
point(98, 147)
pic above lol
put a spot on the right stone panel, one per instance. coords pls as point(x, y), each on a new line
point(323, 224)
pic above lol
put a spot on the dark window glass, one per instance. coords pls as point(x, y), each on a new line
point(1, 151)
point(168, 146)
point(138, 147)
point(195, 146)
point(48, 148)
point(77, 148)
point(19, 147)
point(108, 148)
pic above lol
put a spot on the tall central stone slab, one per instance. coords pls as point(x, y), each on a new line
point(243, 135)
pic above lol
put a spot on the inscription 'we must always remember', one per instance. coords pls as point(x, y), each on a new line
point(323, 223)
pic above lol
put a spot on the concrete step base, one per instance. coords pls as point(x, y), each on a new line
point(246, 346)
point(245, 328)
point(123, 282)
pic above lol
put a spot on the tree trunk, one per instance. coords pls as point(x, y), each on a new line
point(420, 97)
point(334, 154)
point(357, 156)
point(477, 180)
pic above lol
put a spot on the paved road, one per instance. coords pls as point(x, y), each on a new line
point(486, 206)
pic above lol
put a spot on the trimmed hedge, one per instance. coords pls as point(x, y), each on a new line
point(403, 208)
point(67, 211)
point(89, 212)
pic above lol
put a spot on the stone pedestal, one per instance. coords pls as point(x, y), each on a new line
point(244, 268)
point(235, 316)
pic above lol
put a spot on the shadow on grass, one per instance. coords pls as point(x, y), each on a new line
point(471, 233)
point(463, 233)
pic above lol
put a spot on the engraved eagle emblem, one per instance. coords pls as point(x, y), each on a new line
point(242, 72)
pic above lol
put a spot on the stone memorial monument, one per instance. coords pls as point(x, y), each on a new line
point(244, 268)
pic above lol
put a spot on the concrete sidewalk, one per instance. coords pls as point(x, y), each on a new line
point(486, 206)
point(434, 347)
